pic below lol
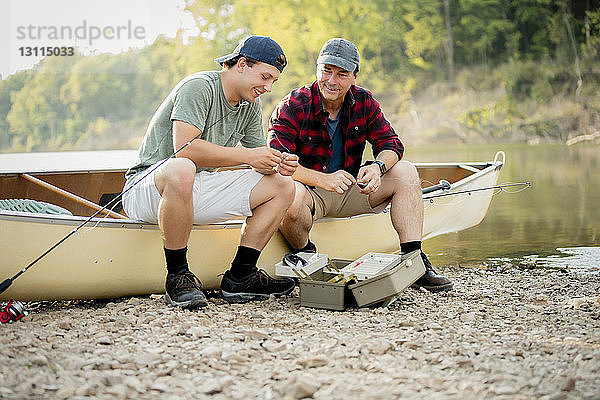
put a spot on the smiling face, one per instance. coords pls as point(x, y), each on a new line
point(334, 82)
point(256, 79)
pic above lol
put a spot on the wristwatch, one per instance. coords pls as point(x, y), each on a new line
point(382, 167)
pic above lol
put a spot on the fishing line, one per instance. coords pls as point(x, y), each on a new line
point(512, 184)
point(8, 281)
point(501, 188)
point(104, 218)
point(454, 201)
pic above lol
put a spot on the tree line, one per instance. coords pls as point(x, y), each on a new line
point(105, 101)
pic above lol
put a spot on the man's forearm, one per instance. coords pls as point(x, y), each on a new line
point(388, 157)
point(202, 152)
point(206, 154)
point(308, 176)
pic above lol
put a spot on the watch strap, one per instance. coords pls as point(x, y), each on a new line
point(382, 167)
point(381, 164)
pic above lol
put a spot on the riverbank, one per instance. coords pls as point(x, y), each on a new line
point(502, 333)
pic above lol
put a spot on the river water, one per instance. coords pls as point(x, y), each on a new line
point(553, 224)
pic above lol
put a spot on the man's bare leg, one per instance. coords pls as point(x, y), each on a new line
point(175, 182)
point(269, 200)
point(403, 185)
point(298, 221)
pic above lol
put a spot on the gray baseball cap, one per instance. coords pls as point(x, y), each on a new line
point(341, 53)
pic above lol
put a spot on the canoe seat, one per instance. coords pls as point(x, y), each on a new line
point(32, 206)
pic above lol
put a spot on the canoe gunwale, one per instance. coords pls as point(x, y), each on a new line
point(487, 167)
point(490, 168)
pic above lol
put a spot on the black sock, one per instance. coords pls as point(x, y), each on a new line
point(244, 262)
point(176, 260)
point(410, 246)
point(309, 248)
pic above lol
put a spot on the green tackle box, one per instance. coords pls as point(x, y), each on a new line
point(317, 292)
point(385, 286)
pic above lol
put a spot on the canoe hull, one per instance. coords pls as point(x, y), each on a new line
point(112, 261)
point(114, 258)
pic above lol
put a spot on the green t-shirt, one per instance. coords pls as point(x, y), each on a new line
point(199, 100)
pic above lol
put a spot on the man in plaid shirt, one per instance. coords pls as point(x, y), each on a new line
point(327, 124)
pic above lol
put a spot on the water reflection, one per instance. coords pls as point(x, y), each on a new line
point(560, 210)
point(568, 259)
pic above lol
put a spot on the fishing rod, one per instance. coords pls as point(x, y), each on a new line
point(443, 183)
point(8, 281)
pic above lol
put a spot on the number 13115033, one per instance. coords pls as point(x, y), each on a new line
point(46, 51)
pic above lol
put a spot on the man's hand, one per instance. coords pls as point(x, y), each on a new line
point(369, 179)
point(288, 164)
point(338, 182)
point(264, 158)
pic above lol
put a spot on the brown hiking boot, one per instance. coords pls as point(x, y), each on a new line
point(431, 280)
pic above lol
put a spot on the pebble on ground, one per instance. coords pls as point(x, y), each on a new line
point(518, 334)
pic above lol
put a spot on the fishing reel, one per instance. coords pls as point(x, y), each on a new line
point(14, 311)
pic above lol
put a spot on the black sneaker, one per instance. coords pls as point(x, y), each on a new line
point(309, 248)
point(183, 291)
point(256, 286)
point(431, 280)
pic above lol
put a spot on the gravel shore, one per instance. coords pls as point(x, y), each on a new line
point(502, 333)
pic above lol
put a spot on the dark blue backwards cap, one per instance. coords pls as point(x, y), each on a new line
point(260, 48)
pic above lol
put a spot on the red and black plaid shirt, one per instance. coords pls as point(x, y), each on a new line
point(298, 126)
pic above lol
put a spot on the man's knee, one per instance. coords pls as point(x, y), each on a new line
point(301, 205)
point(405, 174)
point(176, 176)
point(280, 187)
point(288, 189)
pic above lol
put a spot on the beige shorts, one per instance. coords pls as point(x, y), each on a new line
point(218, 197)
point(350, 203)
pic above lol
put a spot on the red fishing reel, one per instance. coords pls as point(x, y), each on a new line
point(14, 311)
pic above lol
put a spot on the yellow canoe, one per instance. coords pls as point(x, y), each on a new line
point(114, 256)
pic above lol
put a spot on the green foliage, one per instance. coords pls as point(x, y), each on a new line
point(520, 46)
point(425, 34)
point(532, 22)
point(485, 30)
point(8, 88)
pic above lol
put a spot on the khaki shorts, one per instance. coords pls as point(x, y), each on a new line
point(218, 197)
point(348, 204)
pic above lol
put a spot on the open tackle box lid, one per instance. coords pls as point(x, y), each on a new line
point(370, 265)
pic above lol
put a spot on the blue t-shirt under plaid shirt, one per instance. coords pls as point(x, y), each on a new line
point(337, 156)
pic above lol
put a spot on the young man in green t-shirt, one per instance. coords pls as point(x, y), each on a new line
point(210, 113)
